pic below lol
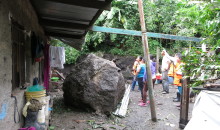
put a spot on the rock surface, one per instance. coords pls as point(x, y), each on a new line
point(125, 63)
point(94, 83)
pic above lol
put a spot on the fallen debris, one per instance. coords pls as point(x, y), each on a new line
point(124, 104)
point(79, 121)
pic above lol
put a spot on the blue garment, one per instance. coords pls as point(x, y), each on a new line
point(153, 70)
point(142, 70)
point(180, 89)
point(170, 79)
point(134, 83)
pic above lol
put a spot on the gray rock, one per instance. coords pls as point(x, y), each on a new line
point(94, 83)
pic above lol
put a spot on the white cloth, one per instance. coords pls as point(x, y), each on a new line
point(205, 114)
point(57, 57)
point(173, 59)
point(165, 64)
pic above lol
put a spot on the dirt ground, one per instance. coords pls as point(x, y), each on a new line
point(137, 118)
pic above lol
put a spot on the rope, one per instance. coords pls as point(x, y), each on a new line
point(16, 110)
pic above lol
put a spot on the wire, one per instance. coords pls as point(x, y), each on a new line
point(16, 109)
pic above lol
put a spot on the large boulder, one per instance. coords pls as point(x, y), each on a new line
point(94, 83)
point(125, 63)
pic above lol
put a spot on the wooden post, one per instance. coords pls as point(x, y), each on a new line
point(184, 104)
point(158, 57)
point(147, 59)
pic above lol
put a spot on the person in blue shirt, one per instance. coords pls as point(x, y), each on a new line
point(140, 74)
point(145, 88)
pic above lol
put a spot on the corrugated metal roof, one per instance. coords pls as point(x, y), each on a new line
point(69, 20)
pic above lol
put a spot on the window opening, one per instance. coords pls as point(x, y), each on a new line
point(18, 55)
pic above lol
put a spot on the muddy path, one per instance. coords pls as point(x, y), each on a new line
point(137, 118)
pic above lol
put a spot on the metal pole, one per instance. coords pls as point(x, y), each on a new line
point(147, 59)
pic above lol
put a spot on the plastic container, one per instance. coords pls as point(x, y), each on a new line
point(35, 88)
point(158, 77)
point(35, 95)
point(55, 79)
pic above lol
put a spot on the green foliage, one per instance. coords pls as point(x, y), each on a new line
point(163, 16)
point(71, 54)
point(204, 20)
point(198, 62)
point(124, 14)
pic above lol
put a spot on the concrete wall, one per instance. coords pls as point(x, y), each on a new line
point(23, 13)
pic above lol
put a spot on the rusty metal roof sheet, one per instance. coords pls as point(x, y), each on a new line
point(69, 20)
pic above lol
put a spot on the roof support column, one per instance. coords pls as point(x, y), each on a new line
point(147, 59)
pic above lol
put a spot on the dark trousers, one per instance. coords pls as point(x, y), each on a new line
point(165, 82)
point(141, 85)
point(134, 83)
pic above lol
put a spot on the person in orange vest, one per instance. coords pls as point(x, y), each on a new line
point(134, 72)
point(171, 74)
point(177, 74)
point(178, 78)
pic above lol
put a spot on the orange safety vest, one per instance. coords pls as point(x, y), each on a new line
point(177, 77)
point(171, 71)
point(136, 63)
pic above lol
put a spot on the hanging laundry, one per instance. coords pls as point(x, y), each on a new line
point(37, 47)
point(57, 57)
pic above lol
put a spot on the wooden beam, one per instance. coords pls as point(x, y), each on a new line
point(53, 23)
point(157, 59)
point(121, 111)
point(184, 107)
point(64, 35)
point(174, 37)
point(212, 85)
point(147, 59)
point(116, 31)
point(149, 34)
point(95, 17)
point(86, 3)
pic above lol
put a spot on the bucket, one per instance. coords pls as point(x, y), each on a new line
point(35, 95)
point(159, 77)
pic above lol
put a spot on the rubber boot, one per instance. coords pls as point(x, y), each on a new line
point(178, 97)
